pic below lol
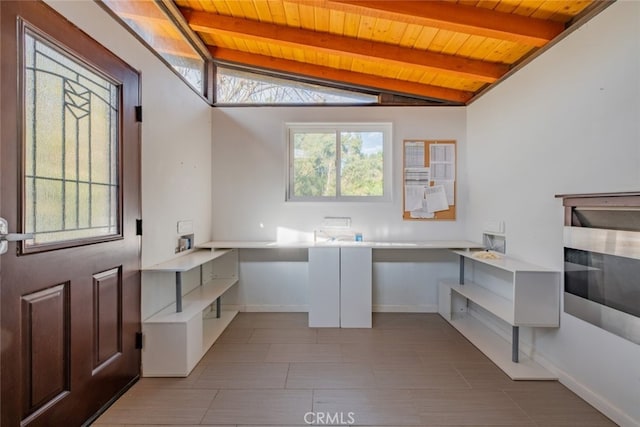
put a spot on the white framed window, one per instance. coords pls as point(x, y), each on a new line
point(349, 162)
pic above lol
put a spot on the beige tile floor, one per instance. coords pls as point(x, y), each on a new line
point(270, 369)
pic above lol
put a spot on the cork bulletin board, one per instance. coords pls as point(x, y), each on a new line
point(429, 180)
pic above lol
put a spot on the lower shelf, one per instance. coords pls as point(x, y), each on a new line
point(194, 302)
point(213, 327)
point(498, 350)
point(173, 349)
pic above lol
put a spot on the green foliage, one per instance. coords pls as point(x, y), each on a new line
point(362, 172)
point(315, 165)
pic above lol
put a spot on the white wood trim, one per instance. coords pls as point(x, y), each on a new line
point(391, 308)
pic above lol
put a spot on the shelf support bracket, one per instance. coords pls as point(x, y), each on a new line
point(218, 307)
point(515, 337)
point(178, 291)
point(461, 270)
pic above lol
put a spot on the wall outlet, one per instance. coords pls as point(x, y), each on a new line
point(495, 242)
point(184, 243)
point(185, 226)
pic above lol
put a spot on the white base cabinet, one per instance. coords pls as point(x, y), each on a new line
point(355, 287)
point(324, 285)
point(515, 292)
point(340, 281)
point(175, 341)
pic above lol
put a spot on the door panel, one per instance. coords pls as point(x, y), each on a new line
point(70, 298)
point(107, 314)
point(46, 344)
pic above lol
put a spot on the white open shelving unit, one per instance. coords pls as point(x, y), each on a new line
point(176, 337)
point(531, 298)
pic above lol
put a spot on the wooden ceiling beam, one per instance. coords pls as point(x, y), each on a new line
point(211, 23)
point(339, 76)
point(456, 17)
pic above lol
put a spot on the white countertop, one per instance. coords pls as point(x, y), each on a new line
point(506, 263)
point(425, 244)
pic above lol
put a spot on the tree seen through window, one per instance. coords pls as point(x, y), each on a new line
point(336, 164)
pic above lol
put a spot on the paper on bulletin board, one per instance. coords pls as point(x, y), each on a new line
point(417, 175)
point(449, 190)
point(413, 196)
point(422, 212)
point(436, 199)
point(429, 179)
point(442, 161)
point(414, 154)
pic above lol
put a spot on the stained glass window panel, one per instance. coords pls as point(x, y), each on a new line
point(71, 147)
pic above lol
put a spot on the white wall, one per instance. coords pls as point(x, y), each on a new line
point(569, 122)
point(176, 146)
point(249, 166)
point(249, 175)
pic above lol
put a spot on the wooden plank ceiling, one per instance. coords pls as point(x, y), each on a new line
point(447, 51)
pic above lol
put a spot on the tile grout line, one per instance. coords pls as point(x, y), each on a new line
point(209, 407)
point(453, 366)
point(253, 330)
point(286, 377)
point(533, 422)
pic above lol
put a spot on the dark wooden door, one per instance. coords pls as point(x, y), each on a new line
point(69, 149)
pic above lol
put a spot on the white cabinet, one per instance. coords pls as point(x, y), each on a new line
point(324, 285)
point(340, 284)
point(518, 293)
point(355, 287)
point(176, 337)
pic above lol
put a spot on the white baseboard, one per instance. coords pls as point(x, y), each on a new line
point(255, 308)
point(597, 401)
point(388, 308)
point(378, 308)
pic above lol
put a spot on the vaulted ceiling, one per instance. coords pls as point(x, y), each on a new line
point(446, 51)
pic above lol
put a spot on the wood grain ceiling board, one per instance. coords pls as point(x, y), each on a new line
point(329, 43)
point(343, 62)
point(345, 77)
point(462, 45)
point(558, 11)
